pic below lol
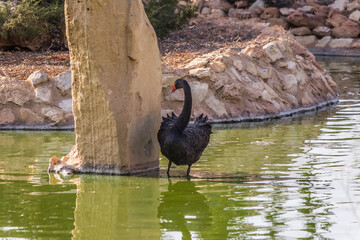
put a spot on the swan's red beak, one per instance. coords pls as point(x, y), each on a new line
point(174, 88)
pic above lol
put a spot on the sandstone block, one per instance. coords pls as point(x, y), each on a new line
point(290, 84)
point(239, 65)
point(197, 63)
point(38, 77)
point(55, 115)
point(306, 40)
point(323, 42)
point(286, 11)
point(217, 66)
point(301, 31)
point(217, 106)
point(252, 69)
point(200, 72)
point(15, 91)
point(341, 43)
point(355, 16)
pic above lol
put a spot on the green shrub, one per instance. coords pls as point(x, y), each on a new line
point(166, 15)
point(31, 18)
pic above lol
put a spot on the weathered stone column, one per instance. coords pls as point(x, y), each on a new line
point(116, 72)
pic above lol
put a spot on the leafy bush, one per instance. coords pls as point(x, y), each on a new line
point(167, 15)
point(30, 18)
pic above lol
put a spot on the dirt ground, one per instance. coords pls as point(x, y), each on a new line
point(200, 36)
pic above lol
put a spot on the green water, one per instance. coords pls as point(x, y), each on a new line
point(294, 178)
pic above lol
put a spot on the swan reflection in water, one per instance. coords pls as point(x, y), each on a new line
point(183, 209)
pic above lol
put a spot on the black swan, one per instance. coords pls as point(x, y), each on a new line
point(183, 143)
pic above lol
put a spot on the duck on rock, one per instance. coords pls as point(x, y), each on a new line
point(180, 141)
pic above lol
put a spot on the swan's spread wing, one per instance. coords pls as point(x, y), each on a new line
point(166, 125)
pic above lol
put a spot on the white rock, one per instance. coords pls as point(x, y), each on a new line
point(265, 73)
point(355, 16)
point(291, 65)
point(38, 77)
point(292, 98)
point(217, 66)
point(286, 11)
point(63, 81)
point(217, 106)
point(258, 4)
point(198, 91)
point(235, 73)
point(272, 51)
point(53, 114)
point(168, 80)
point(305, 9)
point(339, 5)
point(251, 68)
point(197, 63)
point(200, 72)
point(341, 43)
point(290, 84)
point(266, 96)
point(306, 40)
point(43, 94)
point(323, 42)
point(205, 11)
point(66, 105)
point(217, 13)
point(239, 65)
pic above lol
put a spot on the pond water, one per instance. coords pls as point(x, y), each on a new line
point(295, 178)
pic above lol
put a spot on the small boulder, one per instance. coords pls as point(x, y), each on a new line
point(6, 116)
point(241, 4)
point(355, 16)
point(272, 51)
point(217, 13)
point(341, 43)
point(66, 105)
point(205, 11)
point(38, 77)
point(240, 13)
point(197, 63)
point(286, 11)
point(53, 114)
point(301, 19)
point(63, 82)
point(271, 12)
point(217, 66)
point(217, 106)
point(301, 31)
point(200, 72)
point(43, 94)
point(198, 91)
point(220, 4)
point(339, 5)
point(322, 31)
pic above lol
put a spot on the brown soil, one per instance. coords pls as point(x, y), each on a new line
point(201, 36)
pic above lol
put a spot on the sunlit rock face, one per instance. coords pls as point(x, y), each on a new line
point(272, 76)
point(116, 72)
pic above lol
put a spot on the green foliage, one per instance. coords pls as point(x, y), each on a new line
point(30, 18)
point(167, 15)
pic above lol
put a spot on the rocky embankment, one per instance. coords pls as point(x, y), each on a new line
point(272, 76)
point(39, 102)
point(316, 24)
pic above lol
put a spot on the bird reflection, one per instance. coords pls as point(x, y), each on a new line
point(183, 209)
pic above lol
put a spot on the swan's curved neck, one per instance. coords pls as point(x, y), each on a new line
point(184, 117)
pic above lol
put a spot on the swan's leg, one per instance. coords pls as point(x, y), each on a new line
point(168, 171)
point(188, 171)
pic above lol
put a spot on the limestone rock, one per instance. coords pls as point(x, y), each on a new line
point(353, 5)
point(197, 63)
point(53, 114)
point(322, 31)
point(116, 70)
point(217, 13)
point(217, 66)
point(257, 5)
point(43, 94)
point(286, 11)
point(323, 42)
point(341, 43)
point(38, 77)
point(301, 31)
point(355, 16)
point(252, 69)
point(273, 51)
point(239, 13)
point(278, 22)
point(306, 40)
point(66, 105)
point(205, 11)
point(306, 9)
point(200, 72)
point(271, 12)
point(339, 5)
point(305, 20)
point(356, 44)
point(217, 106)
point(6, 116)
point(30, 117)
point(290, 84)
point(63, 82)
point(168, 80)
point(198, 91)
point(265, 73)
point(15, 91)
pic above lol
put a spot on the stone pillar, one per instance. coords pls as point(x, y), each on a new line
point(116, 72)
